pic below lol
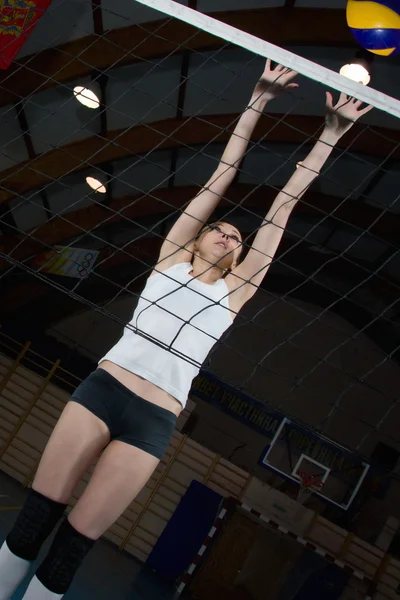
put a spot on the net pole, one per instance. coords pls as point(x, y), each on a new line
point(267, 50)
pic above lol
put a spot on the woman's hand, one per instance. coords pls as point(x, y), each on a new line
point(273, 82)
point(342, 116)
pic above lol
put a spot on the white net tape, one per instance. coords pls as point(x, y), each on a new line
point(279, 55)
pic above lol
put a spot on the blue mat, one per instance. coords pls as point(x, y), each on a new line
point(185, 531)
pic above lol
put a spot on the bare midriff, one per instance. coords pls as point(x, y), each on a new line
point(143, 388)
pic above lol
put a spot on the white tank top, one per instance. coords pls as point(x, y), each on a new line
point(184, 317)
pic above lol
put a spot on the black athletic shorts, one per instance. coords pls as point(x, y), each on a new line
point(129, 417)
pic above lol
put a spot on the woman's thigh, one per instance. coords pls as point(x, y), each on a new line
point(119, 476)
point(77, 439)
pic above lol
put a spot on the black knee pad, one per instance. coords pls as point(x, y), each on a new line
point(34, 524)
point(66, 554)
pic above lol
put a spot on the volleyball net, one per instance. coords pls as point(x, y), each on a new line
point(320, 339)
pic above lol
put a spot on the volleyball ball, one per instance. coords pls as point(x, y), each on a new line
point(375, 25)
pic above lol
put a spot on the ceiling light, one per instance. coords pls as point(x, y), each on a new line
point(359, 68)
point(96, 184)
point(88, 95)
point(356, 72)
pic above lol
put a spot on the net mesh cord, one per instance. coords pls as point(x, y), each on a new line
point(320, 217)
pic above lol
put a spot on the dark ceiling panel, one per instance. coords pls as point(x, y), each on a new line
point(125, 46)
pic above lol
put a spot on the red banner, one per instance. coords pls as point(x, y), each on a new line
point(17, 20)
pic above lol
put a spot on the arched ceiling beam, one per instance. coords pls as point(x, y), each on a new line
point(25, 177)
point(166, 201)
point(119, 47)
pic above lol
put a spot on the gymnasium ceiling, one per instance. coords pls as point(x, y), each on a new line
point(50, 143)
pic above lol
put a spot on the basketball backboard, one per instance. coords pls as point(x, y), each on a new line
point(294, 450)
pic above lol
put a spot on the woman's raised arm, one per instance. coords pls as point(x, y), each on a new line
point(272, 82)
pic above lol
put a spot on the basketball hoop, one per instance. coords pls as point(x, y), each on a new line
point(309, 484)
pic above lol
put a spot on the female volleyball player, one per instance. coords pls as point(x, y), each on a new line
point(128, 407)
